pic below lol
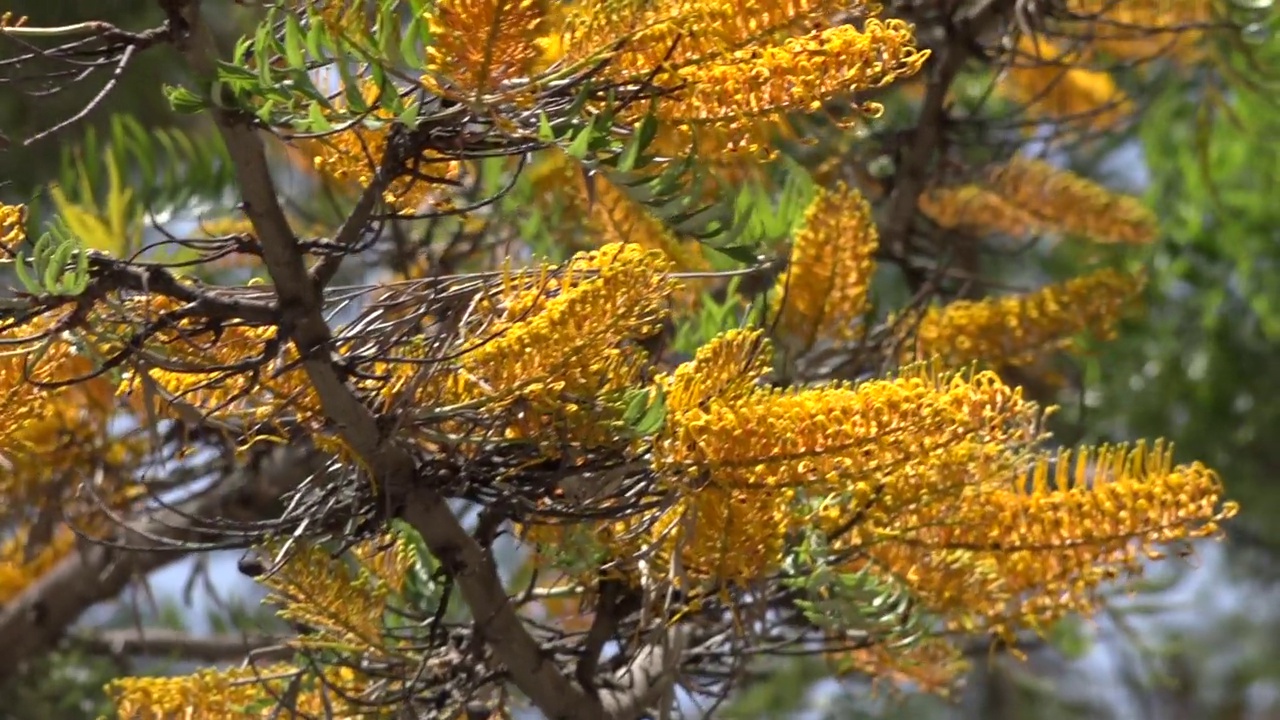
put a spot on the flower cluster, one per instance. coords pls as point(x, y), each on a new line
point(243, 692)
point(750, 465)
point(1021, 329)
point(735, 68)
point(823, 293)
point(1017, 550)
point(1050, 82)
point(1025, 197)
point(13, 221)
point(549, 354)
point(477, 45)
point(341, 601)
point(678, 33)
point(1144, 30)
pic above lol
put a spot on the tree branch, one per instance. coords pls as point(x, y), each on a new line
point(913, 173)
point(392, 467)
point(38, 618)
point(160, 642)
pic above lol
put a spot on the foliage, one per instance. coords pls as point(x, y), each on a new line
point(575, 238)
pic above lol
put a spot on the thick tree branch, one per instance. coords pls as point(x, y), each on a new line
point(914, 171)
point(160, 642)
point(472, 566)
point(38, 618)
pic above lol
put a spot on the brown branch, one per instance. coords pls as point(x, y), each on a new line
point(472, 566)
point(37, 619)
point(913, 173)
point(161, 642)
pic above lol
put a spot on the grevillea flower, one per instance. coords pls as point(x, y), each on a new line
point(342, 600)
point(1017, 550)
point(1021, 329)
point(638, 38)
point(477, 45)
point(354, 155)
point(1138, 30)
point(1025, 197)
point(1050, 83)
point(555, 348)
point(742, 95)
point(746, 464)
point(242, 692)
point(13, 230)
point(823, 293)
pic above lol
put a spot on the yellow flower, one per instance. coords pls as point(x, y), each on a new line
point(1048, 81)
point(746, 463)
point(742, 95)
point(823, 293)
point(478, 45)
point(1138, 30)
point(1017, 550)
point(1027, 197)
point(13, 222)
point(1020, 329)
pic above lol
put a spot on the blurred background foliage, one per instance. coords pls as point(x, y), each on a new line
point(1201, 366)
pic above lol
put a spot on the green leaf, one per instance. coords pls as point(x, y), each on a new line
point(184, 101)
point(581, 145)
point(655, 415)
point(742, 253)
point(293, 42)
point(637, 403)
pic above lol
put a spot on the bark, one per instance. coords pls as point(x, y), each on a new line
point(38, 619)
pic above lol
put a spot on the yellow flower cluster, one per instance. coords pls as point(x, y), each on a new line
point(477, 45)
point(823, 293)
point(243, 692)
point(353, 155)
point(1020, 329)
point(17, 573)
point(639, 37)
point(13, 226)
point(235, 372)
point(747, 462)
point(741, 95)
point(1137, 30)
point(342, 601)
point(736, 67)
point(1025, 197)
point(559, 342)
point(1050, 83)
point(1018, 550)
point(46, 432)
point(726, 369)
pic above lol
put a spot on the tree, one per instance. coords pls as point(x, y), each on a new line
point(691, 301)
